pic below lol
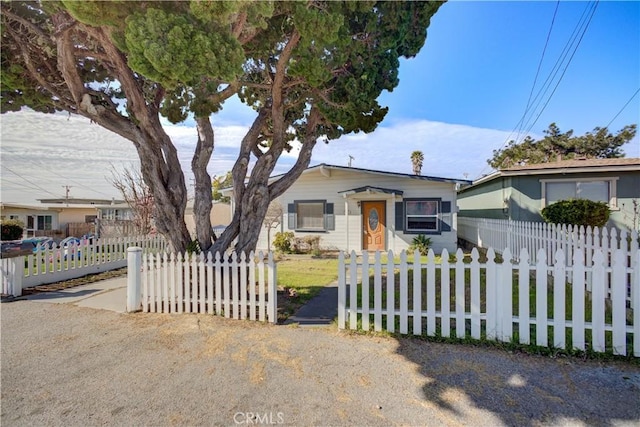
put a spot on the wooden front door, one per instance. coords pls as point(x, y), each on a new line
point(374, 225)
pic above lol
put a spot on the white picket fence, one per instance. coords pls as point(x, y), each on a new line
point(500, 234)
point(77, 260)
point(496, 301)
point(242, 287)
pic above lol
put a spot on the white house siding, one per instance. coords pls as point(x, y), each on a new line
point(315, 185)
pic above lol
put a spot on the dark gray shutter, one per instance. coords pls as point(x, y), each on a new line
point(329, 217)
point(399, 216)
point(444, 227)
point(292, 217)
point(446, 213)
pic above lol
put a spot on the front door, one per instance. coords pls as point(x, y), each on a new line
point(374, 225)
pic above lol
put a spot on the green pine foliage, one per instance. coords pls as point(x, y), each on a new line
point(577, 212)
point(599, 144)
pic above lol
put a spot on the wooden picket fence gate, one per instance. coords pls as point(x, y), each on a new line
point(242, 287)
point(546, 304)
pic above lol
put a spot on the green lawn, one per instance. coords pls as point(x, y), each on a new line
point(307, 276)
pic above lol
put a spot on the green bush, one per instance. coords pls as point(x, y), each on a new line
point(282, 241)
point(12, 229)
point(577, 212)
point(422, 243)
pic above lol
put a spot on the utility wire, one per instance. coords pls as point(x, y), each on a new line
point(535, 79)
point(622, 109)
point(30, 182)
point(565, 69)
point(580, 26)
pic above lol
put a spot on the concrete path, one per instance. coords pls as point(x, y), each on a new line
point(320, 310)
point(109, 294)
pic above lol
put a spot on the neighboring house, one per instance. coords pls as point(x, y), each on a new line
point(521, 192)
point(358, 209)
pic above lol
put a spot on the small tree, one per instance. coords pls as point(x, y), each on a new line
point(577, 212)
point(273, 219)
point(12, 229)
point(138, 196)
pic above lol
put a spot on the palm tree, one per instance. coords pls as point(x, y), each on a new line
point(416, 161)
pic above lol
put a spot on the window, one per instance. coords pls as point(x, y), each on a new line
point(422, 215)
point(596, 190)
point(90, 219)
point(310, 215)
point(44, 222)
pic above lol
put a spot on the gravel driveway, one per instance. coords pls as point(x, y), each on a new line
point(73, 366)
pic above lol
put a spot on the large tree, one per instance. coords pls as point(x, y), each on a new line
point(599, 144)
point(310, 70)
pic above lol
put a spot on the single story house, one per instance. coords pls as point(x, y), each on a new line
point(63, 217)
point(521, 192)
point(362, 209)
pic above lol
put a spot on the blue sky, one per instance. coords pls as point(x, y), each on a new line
point(458, 100)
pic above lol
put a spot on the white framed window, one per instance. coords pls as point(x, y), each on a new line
point(422, 215)
point(595, 189)
point(310, 215)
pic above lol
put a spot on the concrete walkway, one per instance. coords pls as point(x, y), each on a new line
point(320, 310)
point(109, 294)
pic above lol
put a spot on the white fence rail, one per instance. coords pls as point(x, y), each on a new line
point(76, 260)
point(239, 288)
point(500, 234)
point(530, 303)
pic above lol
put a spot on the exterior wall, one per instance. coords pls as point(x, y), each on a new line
point(628, 192)
point(348, 234)
point(485, 200)
point(75, 215)
point(220, 215)
point(524, 195)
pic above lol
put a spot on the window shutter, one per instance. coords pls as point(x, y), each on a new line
point(329, 217)
point(445, 214)
point(292, 217)
point(399, 216)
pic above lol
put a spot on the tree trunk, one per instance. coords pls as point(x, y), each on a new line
point(202, 202)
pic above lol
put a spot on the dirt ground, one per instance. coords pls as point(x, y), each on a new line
point(64, 365)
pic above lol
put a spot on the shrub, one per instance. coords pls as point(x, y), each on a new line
point(12, 229)
point(577, 212)
point(282, 241)
point(422, 243)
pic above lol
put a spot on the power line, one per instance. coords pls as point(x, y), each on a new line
point(623, 107)
point(30, 182)
point(573, 43)
point(535, 79)
point(565, 68)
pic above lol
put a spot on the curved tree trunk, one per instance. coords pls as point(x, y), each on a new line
point(160, 165)
point(203, 198)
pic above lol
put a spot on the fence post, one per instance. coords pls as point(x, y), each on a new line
point(18, 274)
point(273, 290)
point(342, 289)
point(134, 278)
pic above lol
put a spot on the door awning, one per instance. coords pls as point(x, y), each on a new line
point(368, 189)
